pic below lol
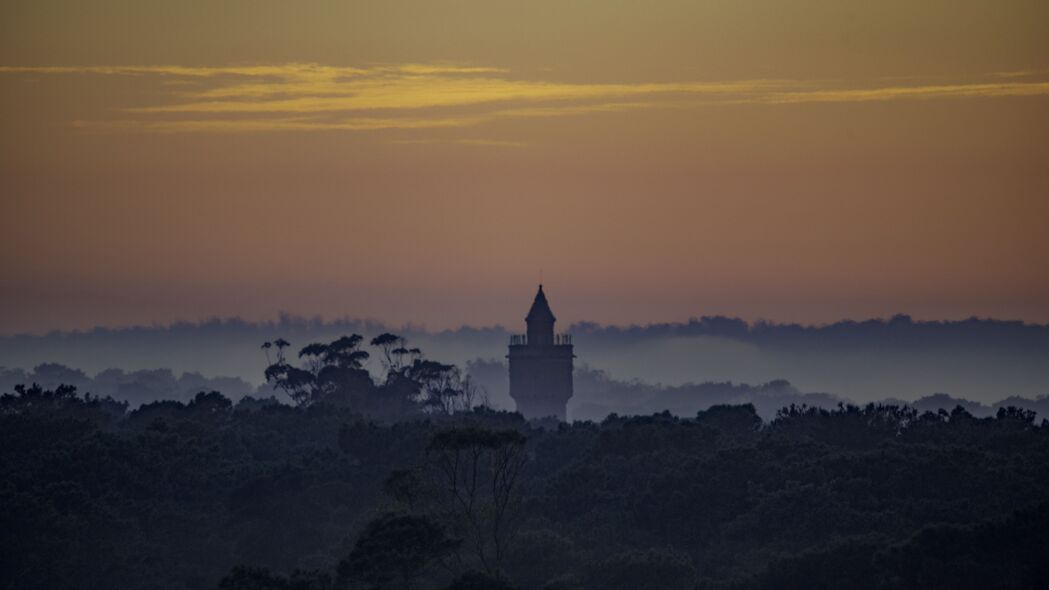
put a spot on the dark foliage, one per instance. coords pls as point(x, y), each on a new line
point(474, 580)
point(394, 550)
point(209, 494)
point(334, 374)
point(250, 578)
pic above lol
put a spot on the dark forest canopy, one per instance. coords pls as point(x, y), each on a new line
point(259, 495)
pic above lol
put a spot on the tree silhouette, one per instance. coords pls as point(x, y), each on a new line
point(478, 472)
point(395, 550)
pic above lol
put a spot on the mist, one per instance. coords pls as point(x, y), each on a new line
point(681, 367)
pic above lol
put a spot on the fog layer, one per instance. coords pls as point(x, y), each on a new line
point(980, 360)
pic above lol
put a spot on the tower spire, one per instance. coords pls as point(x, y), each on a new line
point(540, 311)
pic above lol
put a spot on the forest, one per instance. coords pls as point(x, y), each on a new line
point(410, 481)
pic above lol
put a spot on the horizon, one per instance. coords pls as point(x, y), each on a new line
point(897, 357)
point(285, 317)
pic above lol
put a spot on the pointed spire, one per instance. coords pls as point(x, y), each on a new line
point(540, 309)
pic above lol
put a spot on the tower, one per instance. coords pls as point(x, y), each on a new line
point(541, 365)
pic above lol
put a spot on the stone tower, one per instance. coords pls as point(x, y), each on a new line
point(541, 365)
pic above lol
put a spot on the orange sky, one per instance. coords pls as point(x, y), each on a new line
point(423, 161)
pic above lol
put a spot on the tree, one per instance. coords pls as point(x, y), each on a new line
point(393, 349)
point(298, 384)
point(328, 370)
point(405, 487)
point(334, 373)
point(396, 549)
point(474, 580)
point(478, 471)
point(211, 403)
point(441, 388)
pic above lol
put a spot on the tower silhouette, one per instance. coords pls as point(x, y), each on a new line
point(541, 365)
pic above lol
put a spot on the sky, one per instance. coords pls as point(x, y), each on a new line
point(430, 162)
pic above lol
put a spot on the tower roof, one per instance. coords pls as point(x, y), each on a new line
point(540, 309)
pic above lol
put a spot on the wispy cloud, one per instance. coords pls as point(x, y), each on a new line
point(275, 124)
point(907, 92)
point(301, 123)
point(471, 141)
point(288, 71)
point(420, 92)
point(313, 97)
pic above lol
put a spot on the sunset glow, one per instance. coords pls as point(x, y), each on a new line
point(420, 163)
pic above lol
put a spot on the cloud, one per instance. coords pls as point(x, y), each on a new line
point(476, 142)
point(301, 123)
point(287, 71)
point(908, 92)
point(399, 92)
point(314, 97)
point(292, 124)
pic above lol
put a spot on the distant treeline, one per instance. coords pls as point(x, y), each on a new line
point(980, 360)
point(597, 394)
point(134, 387)
point(264, 496)
point(899, 331)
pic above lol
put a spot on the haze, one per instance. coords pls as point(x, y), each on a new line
point(425, 162)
